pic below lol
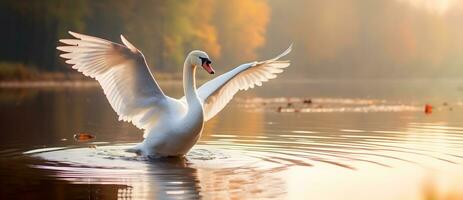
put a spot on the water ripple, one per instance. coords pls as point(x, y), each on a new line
point(228, 158)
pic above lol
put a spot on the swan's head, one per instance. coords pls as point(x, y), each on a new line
point(200, 58)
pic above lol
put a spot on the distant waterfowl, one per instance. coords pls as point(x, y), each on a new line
point(171, 126)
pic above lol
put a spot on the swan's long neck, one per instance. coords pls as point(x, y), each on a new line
point(189, 86)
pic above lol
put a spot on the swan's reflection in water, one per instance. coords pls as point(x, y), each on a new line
point(170, 178)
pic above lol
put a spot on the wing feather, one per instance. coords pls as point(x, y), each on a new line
point(216, 93)
point(123, 74)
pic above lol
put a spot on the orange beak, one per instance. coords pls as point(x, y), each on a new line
point(208, 68)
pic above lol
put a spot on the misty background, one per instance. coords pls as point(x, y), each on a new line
point(332, 39)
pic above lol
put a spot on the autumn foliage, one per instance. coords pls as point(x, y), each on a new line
point(165, 31)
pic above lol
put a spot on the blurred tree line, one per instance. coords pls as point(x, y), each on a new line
point(165, 31)
point(332, 39)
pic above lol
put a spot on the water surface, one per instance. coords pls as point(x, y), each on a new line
point(365, 139)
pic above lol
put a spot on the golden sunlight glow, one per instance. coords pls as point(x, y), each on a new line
point(436, 6)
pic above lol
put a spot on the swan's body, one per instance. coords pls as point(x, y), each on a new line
point(172, 126)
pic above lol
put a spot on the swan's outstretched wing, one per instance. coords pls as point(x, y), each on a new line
point(122, 73)
point(217, 92)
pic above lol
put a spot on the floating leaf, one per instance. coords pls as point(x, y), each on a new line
point(427, 109)
point(81, 137)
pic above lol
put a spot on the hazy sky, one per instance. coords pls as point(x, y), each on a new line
point(369, 38)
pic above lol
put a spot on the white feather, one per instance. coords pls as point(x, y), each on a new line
point(122, 73)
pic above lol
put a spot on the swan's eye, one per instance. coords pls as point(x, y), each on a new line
point(205, 60)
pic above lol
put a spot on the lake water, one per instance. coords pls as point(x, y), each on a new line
point(328, 139)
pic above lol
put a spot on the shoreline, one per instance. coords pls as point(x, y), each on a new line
point(43, 84)
point(87, 83)
point(61, 84)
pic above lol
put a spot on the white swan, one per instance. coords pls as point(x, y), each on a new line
point(171, 126)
